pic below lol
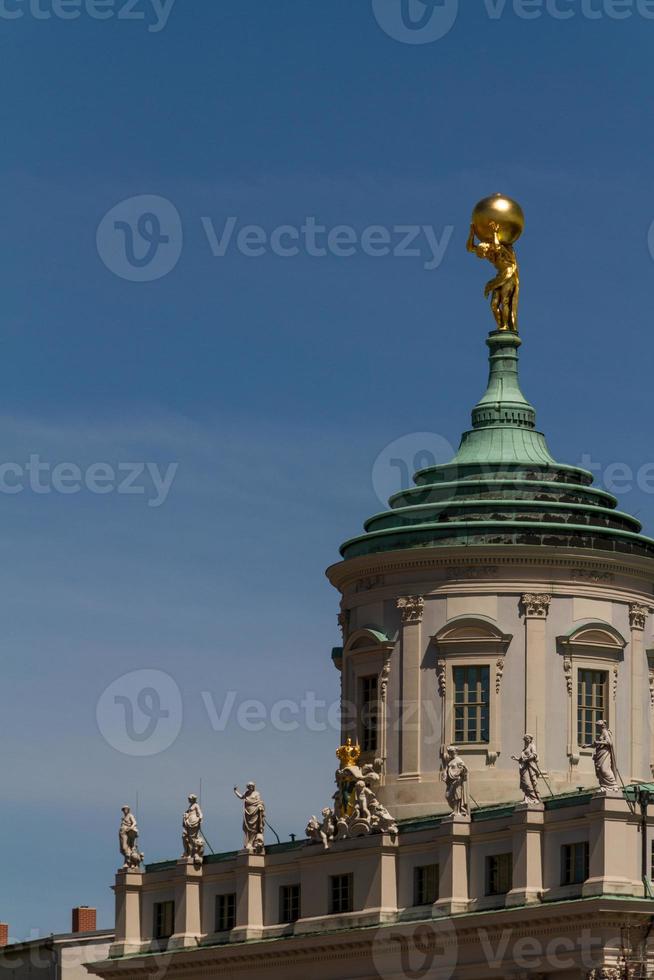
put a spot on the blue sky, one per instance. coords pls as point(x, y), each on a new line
point(271, 384)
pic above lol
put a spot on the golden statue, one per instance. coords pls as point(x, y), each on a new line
point(498, 223)
point(348, 754)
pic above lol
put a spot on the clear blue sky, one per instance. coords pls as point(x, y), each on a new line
point(273, 383)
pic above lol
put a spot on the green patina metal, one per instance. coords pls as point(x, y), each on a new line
point(503, 487)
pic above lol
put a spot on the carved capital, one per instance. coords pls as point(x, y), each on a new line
point(638, 615)
point(536, 605)
point(411, 607)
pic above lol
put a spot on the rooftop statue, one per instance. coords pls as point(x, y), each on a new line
point(604, 758)
point(192, 832)
point(455, 776)
point(529, 771)
point(357, 811)
point(254, 819)
point(498, 223)
point(127, 838)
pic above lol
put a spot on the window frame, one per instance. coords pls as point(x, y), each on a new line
point(333, 879)
point(371, 706)
point(367, 652)
point(158, 914)
point(420, 891)
point(472, 641)
point(293, 904)
point(471, 708)
point(504, 874)
point(570, 861)
point(220, 915)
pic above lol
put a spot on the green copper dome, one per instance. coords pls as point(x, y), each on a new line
point(502, 487)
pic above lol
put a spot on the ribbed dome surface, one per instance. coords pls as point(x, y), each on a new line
point(502, 487)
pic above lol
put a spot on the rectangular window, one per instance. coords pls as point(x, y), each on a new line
point(164, 920)
point(471, 704)
point(574, 863)
point(340, 894)
point(369, 716)
point(289, 903)
point(499, 874)
point(425, 885)
point(225, 912)
point(591, 703)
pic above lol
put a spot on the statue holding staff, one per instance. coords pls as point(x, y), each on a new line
point(529, 771)
point(254, 818)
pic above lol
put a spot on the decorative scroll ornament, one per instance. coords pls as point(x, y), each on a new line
point(357, 812)
point(412, 608)
point(567, 670)
point(384, 678)
point(651, 686)
point(441, 677)
point(499, 673)
point(536, 604)
point(638, 615)
point(615, 682)
point(606, 973)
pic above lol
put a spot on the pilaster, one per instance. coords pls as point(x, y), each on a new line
point(411, 608)
point(454, 840)
point(535, 609)
point(188, 928)
point(610, 847)
point(638, 614)
point(528, 825)
point(127, 890)
point(250, 870)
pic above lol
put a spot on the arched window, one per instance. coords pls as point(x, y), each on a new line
point(592, 652)
point(366, 665)
point(471, 654)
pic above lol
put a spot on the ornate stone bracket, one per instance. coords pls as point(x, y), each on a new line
point(384, 678)
point(638, 614)
point(441, 677)
point(536, 605)
point(412, 608)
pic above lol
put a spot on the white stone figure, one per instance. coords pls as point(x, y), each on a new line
point(127, 839)
point(604, 758)
point(381, 818)
point(529, 771)
point(254, 819)
point(192, 832)
point(322, 832)
point(455, 776)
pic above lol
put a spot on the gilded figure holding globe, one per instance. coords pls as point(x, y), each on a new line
point(498, 222)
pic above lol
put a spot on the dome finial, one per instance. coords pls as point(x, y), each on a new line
point(498, 222)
